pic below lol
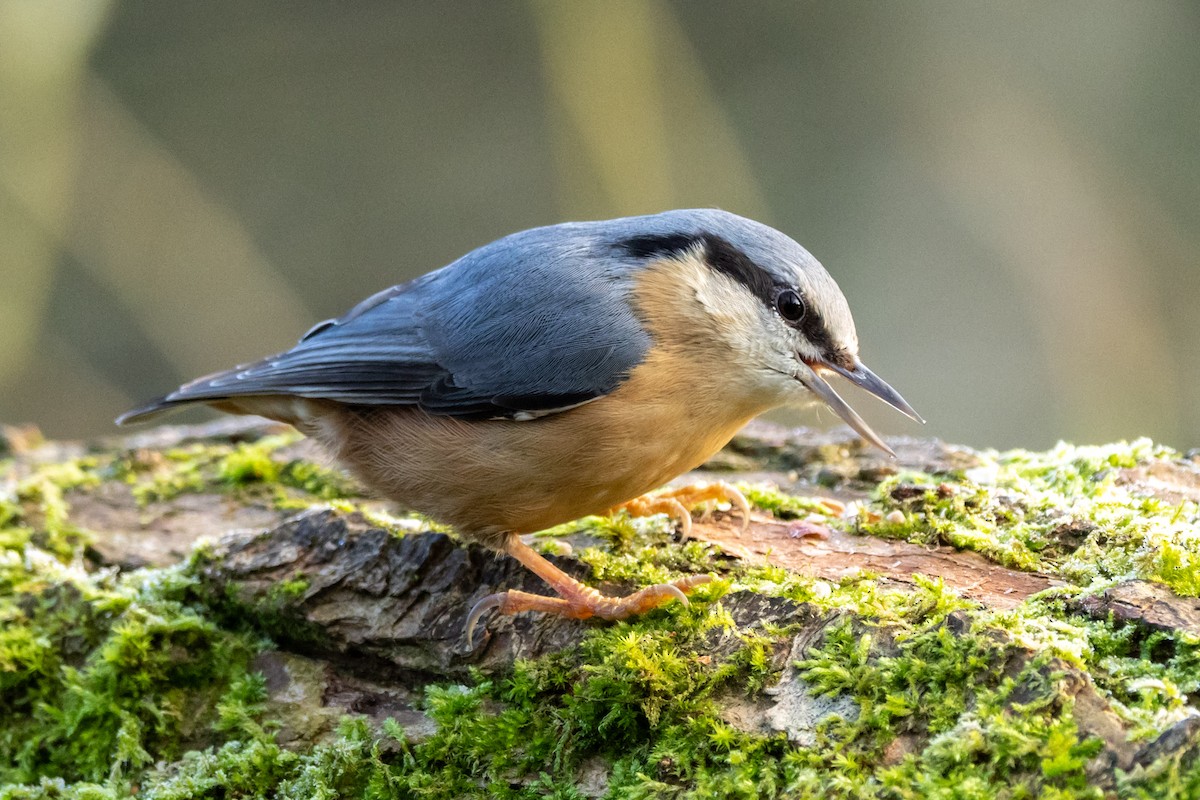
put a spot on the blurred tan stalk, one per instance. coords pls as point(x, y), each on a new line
point(641, 129)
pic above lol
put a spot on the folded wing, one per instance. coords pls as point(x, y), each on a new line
point(515, 330)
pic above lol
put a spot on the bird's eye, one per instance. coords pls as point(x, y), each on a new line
point(790, 305)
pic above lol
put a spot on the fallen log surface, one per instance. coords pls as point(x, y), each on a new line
point(844, 619)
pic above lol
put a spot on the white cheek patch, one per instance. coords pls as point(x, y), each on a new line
point(750, 328)
point(725, 301)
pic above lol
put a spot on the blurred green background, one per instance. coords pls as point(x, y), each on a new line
point(1008, 193)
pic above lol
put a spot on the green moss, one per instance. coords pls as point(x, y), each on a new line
point(952, 689)
point(781, 505)
point(260, 465)
point(100, 674)
point(1147, 676)
point(38, 512)
point(115, 683)
point(249, 463)
point(318, 481)
point(1064, 512)
point(291, 590)
point(640, 699)
point(1172, 777)
point(101, 677)
point(156, 476)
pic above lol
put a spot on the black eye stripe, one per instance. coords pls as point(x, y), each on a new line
point(719, 254)
point(724, 257)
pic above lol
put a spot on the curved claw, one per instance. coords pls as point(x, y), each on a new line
point(676, 502)
point(672, 590)
point(681, 513)
point(612, 608)
point(478, 610)
point(575, 600)
point(692, 581)
point(743, 505)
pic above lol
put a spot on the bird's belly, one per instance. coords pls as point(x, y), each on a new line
point(490, 478)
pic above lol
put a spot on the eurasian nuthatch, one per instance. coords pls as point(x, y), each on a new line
point(559, 372)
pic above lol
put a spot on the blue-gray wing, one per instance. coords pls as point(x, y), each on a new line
point(531, 324)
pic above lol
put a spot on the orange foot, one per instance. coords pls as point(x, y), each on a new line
point(576, 600)
point(678, 502)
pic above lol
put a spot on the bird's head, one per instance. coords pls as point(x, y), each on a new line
point(778, 314)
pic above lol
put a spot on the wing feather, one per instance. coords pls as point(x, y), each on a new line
point(532, 324)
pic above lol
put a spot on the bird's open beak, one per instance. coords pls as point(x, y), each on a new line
point(860, 376)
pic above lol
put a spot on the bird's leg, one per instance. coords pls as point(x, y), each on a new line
point(677, 504)
point(576, 600)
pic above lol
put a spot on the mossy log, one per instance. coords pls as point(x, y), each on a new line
point(215, 611)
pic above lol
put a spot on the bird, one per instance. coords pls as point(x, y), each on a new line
point(559, 372)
